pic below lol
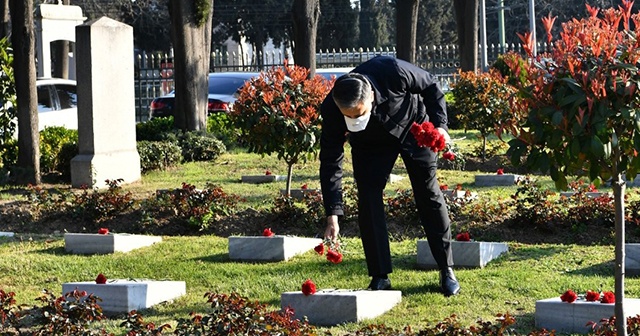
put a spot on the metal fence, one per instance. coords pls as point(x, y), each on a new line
point(154, 71)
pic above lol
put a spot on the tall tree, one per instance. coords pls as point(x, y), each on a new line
point(376, 23)
point(467, 27)
point(436, 23)
point(150, 22)
point(257, 22)
point(191, 36)
point(338, 25)
point(406, 25)
point(4, 16)
point(305, 26)
point(23, 41)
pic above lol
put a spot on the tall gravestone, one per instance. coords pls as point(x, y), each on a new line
point(106, 105)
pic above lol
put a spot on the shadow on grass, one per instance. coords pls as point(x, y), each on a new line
point(532, 252)
point(605, 269)
point(57, 251)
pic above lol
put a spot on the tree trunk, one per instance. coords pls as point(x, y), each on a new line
point(192, 48)
point(619, 186)
point(406, 29)
point(61, 68)
point(4, 16)
point(23, 41)
point(305, 25)
point(289, 177)
point(467, 27)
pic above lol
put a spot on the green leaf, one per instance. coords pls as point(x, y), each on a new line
point(597, 148)
point(557, 117)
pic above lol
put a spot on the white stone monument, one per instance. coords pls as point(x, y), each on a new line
point(276, 248)
point(106, 105)
point(330, 307)
point(471, 254)
point(89, 243)
point(123, 296)
point(53, 23)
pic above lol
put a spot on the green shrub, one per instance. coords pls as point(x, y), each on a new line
point(8, 98)
point(154, 129)
point(52, 139)
point(453, 120)
point(200, 147)
point(158, 155)
point(67, 152)
point(219, 125)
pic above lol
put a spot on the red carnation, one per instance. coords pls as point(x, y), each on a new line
point(428, 136)
point(592, 188)
point(444, 187)
point(500, 171)
point(569, 296)
point(463, 236)
point(103, 231)
point(268, 233)
point(449, 155)
point(592, 296)
point(334, 257)
point(308, 287)
point(319, 248)
point(608, 297)
point(101, 279)
point(267, 172)
point(304, 187)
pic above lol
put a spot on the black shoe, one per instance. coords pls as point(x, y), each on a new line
point(448, 283)
point(379, 284)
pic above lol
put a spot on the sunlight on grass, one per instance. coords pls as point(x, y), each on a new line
point(511, 283)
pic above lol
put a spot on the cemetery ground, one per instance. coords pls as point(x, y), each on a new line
point(542, 262)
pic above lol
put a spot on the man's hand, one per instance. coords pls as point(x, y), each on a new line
point(445, 134)
point(333, 229)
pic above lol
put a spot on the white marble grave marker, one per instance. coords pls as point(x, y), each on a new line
point(465, 254)
point(330, 307)
point(276, 248)
point(123, 296)
point(563, 317)
point(496, 180)
point(90, 243)
point(632, 259)
point(257, 179)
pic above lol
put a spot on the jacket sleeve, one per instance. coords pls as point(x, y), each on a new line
point(331, 156)
point(421, 82)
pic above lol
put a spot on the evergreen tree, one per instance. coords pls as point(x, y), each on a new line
point(436, 23)
point(338, 26)
point(377, 24)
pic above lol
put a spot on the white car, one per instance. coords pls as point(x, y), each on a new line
point(57, 103)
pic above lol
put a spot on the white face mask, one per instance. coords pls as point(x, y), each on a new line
point(358, 124)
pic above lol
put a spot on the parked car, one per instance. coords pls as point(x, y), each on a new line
point(223, 89)
point(57, 103)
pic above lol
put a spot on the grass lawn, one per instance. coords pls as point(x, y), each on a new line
point(510, 284)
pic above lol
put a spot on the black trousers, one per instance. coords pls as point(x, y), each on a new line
point(374, 155)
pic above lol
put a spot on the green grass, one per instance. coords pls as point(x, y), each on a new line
point(510, 284)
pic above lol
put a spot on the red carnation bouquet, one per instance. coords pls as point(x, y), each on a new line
point(428, 136)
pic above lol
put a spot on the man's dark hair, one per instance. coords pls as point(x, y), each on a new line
point(351, 89)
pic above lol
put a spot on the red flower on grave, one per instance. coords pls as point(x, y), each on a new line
point(592, 188)
point(308, 288)
point(334, 257)
point(569, 296)
point(304, 187)
point(608, 297)
point(500, 171)
point(450, 156)
point(101, 279)
point(103, 231)
point(444, 187)
point(428, 136)
point(463, 236)
point(268, 233)
point(592, 296)
point(319, 248)
point(267, 172)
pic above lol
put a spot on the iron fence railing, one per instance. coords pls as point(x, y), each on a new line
point(154, 71)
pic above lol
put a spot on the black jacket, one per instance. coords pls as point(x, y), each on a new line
point(404, 93)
